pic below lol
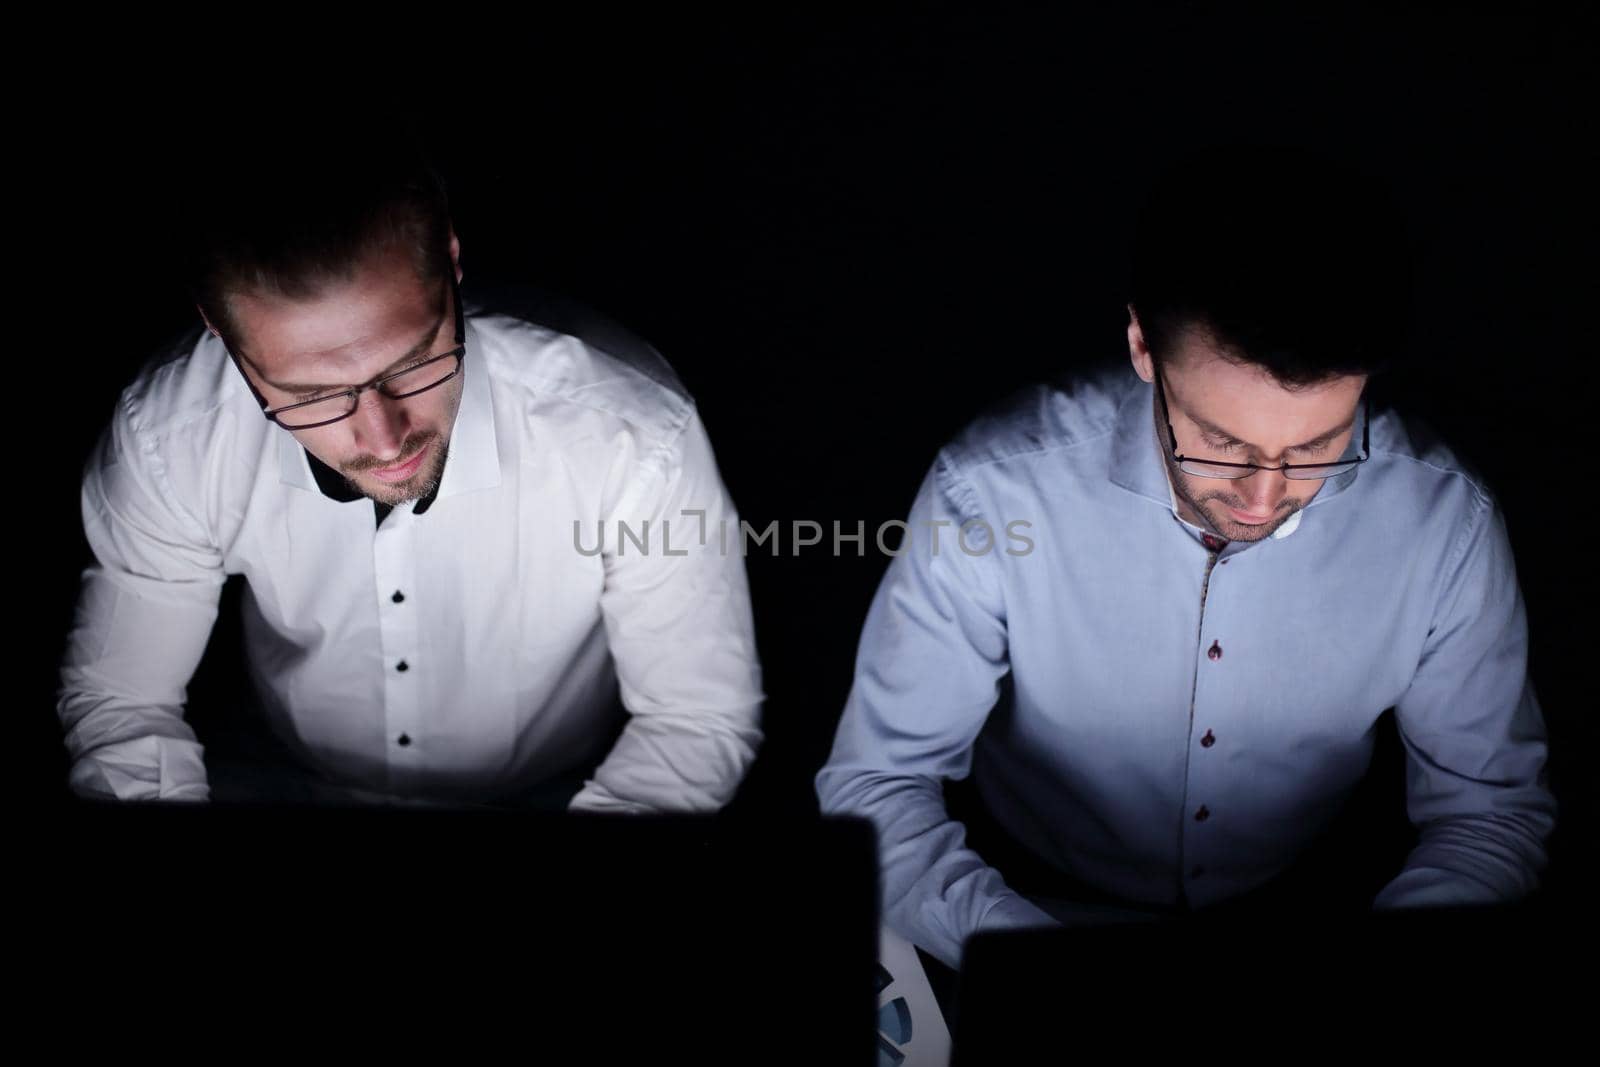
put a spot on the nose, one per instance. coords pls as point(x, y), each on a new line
point(1263, 491)
point(380, 425)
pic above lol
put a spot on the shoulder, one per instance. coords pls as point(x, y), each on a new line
point(180, 434)
point(188, 379)
point(185, 407)
point(1074, 414)
point(1413, 444)
point(1412, 464)
point(573, 386)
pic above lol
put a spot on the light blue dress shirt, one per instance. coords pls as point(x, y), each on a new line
point(1181, 723)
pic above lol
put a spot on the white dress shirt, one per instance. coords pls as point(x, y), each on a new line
point(467, 651)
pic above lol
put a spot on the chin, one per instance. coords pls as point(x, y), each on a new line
point(419, 485)
point(392, 495)
point(1238, 531)
point(396, 493)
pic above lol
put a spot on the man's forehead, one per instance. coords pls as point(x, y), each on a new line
point(345, 326)
point(1245, 403)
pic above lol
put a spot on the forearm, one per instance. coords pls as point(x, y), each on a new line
point(674, 762)
point(1470, 860)
point(936, 891)
point(122, 690)
point(123, 751)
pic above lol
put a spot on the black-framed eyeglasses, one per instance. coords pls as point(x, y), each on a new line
point(1212, 468)
point(429, 373)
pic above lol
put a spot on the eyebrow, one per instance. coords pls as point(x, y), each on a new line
point(1316, 442)
point(416, 350)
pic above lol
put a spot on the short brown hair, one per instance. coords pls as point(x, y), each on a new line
point(1282, 257)
point(321, 201)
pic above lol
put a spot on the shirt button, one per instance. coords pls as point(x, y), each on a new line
point(1197, 872)
point(402, 666)
point(1215, 651)
point(1208, 740)
point(1203, 814)
point(405, 739)
point(398, 596)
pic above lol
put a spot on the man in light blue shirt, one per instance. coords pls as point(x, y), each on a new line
point(1157, 613)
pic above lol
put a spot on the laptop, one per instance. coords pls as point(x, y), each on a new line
point(1264, 984)
point(642, 939)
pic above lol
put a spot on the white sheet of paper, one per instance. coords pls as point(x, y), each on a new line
point(929, 1041)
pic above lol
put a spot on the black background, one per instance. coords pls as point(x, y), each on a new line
point(848, 235)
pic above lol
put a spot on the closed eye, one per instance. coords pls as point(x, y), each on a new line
point(1312, 450)
point(413, 365)
point(1233, 447)
point(324, 394)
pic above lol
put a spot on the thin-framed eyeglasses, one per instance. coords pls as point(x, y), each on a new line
point(1213, 468)
point(428, 373)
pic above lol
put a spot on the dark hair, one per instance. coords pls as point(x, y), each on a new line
point(307, 207)
point(1277, 257)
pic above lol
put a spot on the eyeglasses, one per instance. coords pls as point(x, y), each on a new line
point(1211, 468)
point(430, 373)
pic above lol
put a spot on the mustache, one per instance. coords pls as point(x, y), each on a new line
point(1293, 507)
point(408, 451)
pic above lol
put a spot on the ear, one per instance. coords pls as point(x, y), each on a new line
point(455, 253)
point(209, 325)
point(1138, 351)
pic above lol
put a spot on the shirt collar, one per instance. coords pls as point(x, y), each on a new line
point(473, 462)
point(1139, 466)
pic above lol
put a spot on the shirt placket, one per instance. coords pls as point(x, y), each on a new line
point(394, 572)
point(1196, 832)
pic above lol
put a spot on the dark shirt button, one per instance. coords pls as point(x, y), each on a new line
point(402, 666)
point(1197, 872)
point(405, 739)
point(1215, 651)
point(1208, 740)
point(1203, 814)
point(398, 596)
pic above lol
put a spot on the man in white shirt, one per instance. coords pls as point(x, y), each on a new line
point(538, 551)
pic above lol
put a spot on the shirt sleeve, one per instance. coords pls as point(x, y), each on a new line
point(678, 621)
point(928, 672)
point(1474, 738)
point(145, 609)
